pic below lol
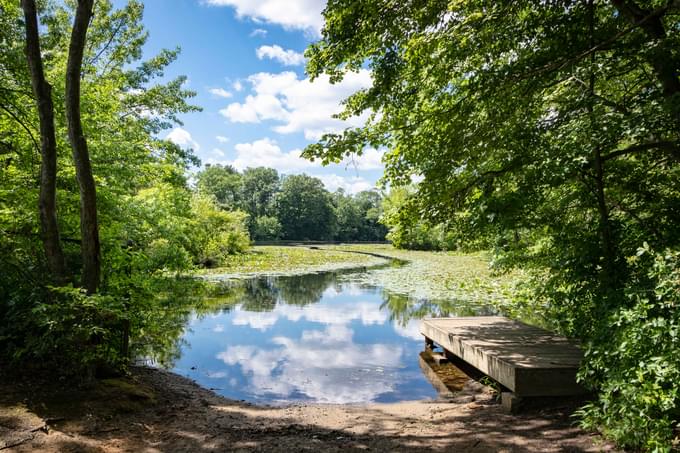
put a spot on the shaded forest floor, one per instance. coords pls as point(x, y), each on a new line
point(157, 411)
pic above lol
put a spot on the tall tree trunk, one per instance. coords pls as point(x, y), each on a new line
point(48, 147)
point(665, 66)
point(89, 228)
point(608, 247)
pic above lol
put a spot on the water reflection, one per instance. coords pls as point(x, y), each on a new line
point(318, 337)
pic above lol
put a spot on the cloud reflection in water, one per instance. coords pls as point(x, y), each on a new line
point(307, 338)
point(324, 365)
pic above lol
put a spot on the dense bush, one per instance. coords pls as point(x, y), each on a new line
point(266, 228)
point(178, 230)
point(635, 364)
point(409, 231)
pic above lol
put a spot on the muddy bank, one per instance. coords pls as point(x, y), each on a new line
point(154, 411)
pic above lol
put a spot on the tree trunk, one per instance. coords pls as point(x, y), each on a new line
point(665, 66)
point(608, 247)
point(89, 228)
point(48, 148)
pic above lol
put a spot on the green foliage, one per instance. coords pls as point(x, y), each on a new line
point(358, 217)
point(163, 254)
point(550, 133)
point(223, 183)
point(299, 208)
point(177, 229)
point(150, 222)
point(636, 369)
point(215, 233)
point(305, 209)
point(266, 228)
point(407, 230)
point(60, 329)
point(259, 185)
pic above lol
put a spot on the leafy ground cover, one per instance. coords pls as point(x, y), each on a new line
point(289, 260)
point(437, 275)
point(424, 282)
point(449, 283)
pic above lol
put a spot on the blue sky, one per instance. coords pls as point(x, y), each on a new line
point(244, 60)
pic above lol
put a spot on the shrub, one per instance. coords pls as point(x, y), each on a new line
point(267, 228)
point(167, 255)
point(635, 365)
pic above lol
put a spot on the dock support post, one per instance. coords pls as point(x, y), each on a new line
point(511, 402)
point(429, 344)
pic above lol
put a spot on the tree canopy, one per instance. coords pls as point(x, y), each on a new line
point(552, 130)
point(305, 209)
point(80, 86)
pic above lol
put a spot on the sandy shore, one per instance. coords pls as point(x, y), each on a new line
point(157, 411)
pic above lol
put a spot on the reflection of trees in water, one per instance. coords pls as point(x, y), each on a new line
point(404, 308)
point(259, 294)
point(157, 333)
point(307, 289)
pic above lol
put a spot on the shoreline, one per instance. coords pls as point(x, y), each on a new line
point(157, 410)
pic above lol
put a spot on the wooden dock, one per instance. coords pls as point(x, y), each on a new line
point(529, 361)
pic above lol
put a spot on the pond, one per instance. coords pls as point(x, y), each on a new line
point(323, 338)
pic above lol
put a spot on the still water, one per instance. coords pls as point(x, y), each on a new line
point(314, 338)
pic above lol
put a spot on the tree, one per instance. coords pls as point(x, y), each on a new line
point(549, 130)
point(266, 228)
point(370, 206)
point(89, 228)
point(124, 108)
point(42, 91)
point(358, 215)
point(305, 209)
point(223, 182)
point(259, 185)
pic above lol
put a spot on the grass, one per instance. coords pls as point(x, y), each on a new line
point(287, 260)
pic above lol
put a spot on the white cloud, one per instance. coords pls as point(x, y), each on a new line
point(299, 104)
point(258, 32)
point(255, 109)
point(352, 184)
point(220, 92)
point(217, 375)
point(267, 153)
point(222, 138)
point(182, 137)
point(292, 14)
point(237, 85)
point(255, 320)
point(286, 57)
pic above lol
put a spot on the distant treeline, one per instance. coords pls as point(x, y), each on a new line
point(296, 207)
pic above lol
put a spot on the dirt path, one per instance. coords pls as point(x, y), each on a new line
point(157, 411)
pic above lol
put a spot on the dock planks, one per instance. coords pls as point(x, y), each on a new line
point(527, 360)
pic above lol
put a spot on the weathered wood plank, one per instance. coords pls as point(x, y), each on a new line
point(527, 360)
